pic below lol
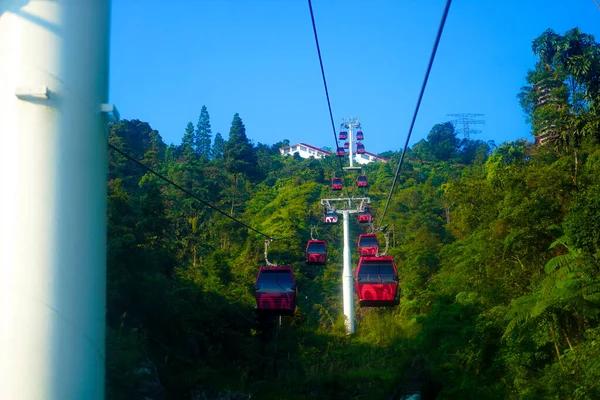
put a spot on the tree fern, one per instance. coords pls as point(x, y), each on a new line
point(571, 286)
point(520, 312)
point(569, 261)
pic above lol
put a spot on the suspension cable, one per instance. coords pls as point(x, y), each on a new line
point(170, 182)
point(335, 137)
point(412, 124)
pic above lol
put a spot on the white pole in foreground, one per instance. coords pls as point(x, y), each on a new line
point(53, 161)
point(348, 293)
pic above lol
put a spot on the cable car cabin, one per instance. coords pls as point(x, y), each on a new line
point(316, 252)
point(275, 291)
point(361, 181)
point(330, 217)
point(368, 244)
point(377, 282)
point(364, 216)
point(359, 135)
point(336, 184)
point(360, 148)
point(343, 135)
point(340, 152)
point(346, 146)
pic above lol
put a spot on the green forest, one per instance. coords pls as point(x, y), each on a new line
point(497, 249)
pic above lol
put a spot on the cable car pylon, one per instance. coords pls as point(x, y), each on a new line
point(350, 123)
point(348, 206)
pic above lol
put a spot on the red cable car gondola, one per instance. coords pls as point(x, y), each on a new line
point(346, 146)
point(364, 216)
point(336, 184)
point(275, 291)
point(330, 217)
point(343, 135)
point(368, 244)
point(316, 252)
point(361, 181)
point(360, 148)
point(377, 282)
point(359, 135)
point(340, 152)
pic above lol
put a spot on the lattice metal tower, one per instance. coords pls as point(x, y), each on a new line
point(466, 120)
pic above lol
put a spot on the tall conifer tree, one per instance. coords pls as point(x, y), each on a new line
point(217, 150)
point(239, 152)
point(187, 143)
point(203, 135)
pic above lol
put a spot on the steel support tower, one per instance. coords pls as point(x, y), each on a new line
point(466, 120)
point(348, 206)
point(351, 123)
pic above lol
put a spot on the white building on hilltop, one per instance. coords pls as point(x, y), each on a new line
point(303, 150)
point(367, 157)
point(306, 151)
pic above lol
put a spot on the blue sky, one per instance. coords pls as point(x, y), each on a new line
point(258, 58)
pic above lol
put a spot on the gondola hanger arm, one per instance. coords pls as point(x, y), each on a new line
point(267, 243)
point(387, 243)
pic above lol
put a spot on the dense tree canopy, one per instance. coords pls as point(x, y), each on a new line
point(497, 249)
point(564, 87)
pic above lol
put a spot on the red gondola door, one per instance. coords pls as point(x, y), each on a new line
point(275, 291)
point(377, 282)
point(361, 181)
point(336, 184)
point(330, 217)
point(368, 245)
point(316, 252)
point(364, 216)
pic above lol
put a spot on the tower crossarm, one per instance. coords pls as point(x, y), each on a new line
point(350, 205)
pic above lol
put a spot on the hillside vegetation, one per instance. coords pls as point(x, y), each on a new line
point(497, 249)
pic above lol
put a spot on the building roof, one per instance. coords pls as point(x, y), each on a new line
point(376, 156)
point(307, 145)
point(329, 153)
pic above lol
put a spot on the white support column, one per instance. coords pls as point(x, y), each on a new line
point(351, 139)
point(347, 280)
point(53, 164)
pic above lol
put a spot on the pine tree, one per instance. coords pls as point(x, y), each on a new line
point(187, 143)
point(239, 152)
point(156, 152)
point(217, 150)
point(237, 132)
point(203, 135)
point(170, 154)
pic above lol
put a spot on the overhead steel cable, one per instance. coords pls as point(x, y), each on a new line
point(164, 178)
point(312, 17)
point(412, 124)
